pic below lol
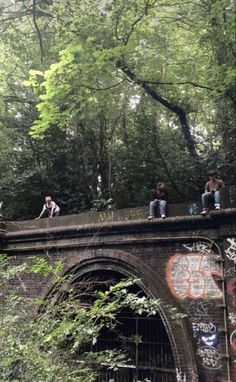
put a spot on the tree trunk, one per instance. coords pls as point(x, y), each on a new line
point(190, 143)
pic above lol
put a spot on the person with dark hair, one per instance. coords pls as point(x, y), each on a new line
point(211, 195)
point(159, 200)
point(50, 208)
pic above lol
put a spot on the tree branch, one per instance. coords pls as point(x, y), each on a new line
point(176, 83)
point(38, 31)
point(10, 99)
point(108, 87)
point(179, 111)
point(136, 22)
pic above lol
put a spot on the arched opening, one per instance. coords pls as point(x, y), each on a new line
point(144, 339)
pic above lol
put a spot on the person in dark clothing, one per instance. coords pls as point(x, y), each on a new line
point(212, 192)
point(160, 200)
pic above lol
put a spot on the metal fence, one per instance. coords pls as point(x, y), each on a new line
point(145, 341)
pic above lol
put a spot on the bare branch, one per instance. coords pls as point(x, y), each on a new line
point(108, 87)
point(143, 14)
point(38, 31)
point(176, 83)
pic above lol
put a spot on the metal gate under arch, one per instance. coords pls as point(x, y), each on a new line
point(146, 343)
point(144, 339)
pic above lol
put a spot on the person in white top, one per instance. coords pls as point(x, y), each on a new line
point(50, 207)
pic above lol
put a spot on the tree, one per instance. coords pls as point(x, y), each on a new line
point(97, 80)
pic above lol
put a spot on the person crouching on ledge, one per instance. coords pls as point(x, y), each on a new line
point(160, 200)
point(50, 208)
point(212, 192)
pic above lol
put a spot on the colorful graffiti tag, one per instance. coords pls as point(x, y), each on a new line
point(191, 275)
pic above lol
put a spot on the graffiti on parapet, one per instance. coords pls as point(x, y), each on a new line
point(106, 216)
point(209, 357)
point(180, 376)
point(206, 333)
point(198, 310)
point(199, 247)
point(231, 250)
point(192, 276)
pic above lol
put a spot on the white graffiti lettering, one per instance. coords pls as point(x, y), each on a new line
point(209, 357)
point(231, 250)
point(180, 376)
point(204, 327)
point(233, 340)
point(230, 271)
point(193, 375)
point(232, 318)
point(198, 310)
point(199, 247)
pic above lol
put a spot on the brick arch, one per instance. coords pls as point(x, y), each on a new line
point(153, 286)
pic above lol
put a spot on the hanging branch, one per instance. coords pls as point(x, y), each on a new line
point(179, 111)
point(38, 31)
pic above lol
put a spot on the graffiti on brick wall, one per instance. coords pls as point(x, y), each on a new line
point(206, 333)
point(230, 271)
point(232, 318)
point(231, 289)
point(207, 337)
point(192, 275)
point(233, 340)
point(198, 310)
point(199, 247)
point(209, 357)
point(180, 376)
point(193, 373)
point(231, 250)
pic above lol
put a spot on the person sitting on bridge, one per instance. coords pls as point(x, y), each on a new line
point(50, 208)
point(211, 195)
point(160, 199)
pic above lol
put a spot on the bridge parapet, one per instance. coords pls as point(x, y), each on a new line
point(180, 210)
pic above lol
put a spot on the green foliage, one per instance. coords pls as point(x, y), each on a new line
point(81, 124)
point(53, 344)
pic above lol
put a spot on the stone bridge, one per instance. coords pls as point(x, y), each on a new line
point(188, 261)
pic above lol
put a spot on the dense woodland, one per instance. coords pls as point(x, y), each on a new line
point(100, 99)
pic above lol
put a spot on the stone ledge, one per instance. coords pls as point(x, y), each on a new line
point(31, 230)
